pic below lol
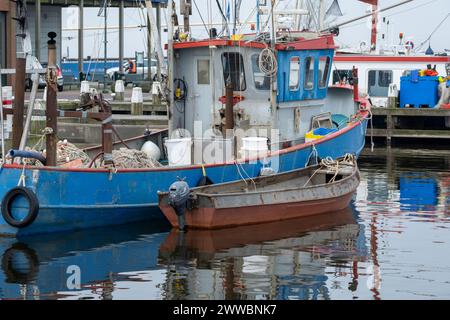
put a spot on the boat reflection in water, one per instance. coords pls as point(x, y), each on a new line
point(280, 260)
point(45, 266)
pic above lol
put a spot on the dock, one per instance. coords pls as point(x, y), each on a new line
point(387, 123)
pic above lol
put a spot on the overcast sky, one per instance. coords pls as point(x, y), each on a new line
point(417, 20)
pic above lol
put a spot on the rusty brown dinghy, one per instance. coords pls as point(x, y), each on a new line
point(319, 189)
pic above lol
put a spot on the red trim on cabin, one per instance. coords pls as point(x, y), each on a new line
point(366, 58)
point(323, 42)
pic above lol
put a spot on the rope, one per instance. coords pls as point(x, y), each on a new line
point(313, 152)
point(268, 62)
point(333, 166)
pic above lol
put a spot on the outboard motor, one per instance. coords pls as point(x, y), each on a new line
point(179, 193)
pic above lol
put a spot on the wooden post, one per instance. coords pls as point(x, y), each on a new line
point(51, 110)
point(19, 102)
point(229, 114)
point(390, 126)
point(19, 88)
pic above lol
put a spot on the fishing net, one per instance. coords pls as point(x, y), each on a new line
point(133, 159)
point(67, 152)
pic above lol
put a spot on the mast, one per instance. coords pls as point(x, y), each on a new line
point(170, 60)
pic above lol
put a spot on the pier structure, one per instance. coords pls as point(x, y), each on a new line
point(410, 123)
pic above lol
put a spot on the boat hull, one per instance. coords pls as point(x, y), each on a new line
point(76, 199)
point(213, 218)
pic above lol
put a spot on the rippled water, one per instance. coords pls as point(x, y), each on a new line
point(393, 243)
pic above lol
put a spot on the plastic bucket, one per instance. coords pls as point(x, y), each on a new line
point(179, 151)
point(254, 147)
point(254, 144)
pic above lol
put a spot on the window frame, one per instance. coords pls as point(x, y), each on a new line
point(325, 73)
point(209, 71)
point(306, 74)
point(241, 70)
point(299, 63)
point(255, 63)
point(377, 84)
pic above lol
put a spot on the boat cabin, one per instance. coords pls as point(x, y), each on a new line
point(281, 89)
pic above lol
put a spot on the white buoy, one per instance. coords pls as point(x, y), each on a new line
point(119, 90)
point(137, 102)
point(151, 150)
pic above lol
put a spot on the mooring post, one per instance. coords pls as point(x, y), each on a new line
point(229, 114)
point(51, 109)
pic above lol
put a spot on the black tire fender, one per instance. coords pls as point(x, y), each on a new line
point(32, 211)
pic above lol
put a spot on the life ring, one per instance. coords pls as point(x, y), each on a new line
point(33, 208)
point(410, 43)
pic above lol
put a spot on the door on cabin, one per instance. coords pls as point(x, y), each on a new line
point(202, 92)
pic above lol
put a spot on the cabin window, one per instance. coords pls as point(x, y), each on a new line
point(378, 82)
point(344, 76)
point(324, 69)
point(309, 73)
point(203, 73)
point(294, 74)
point(262, 82)
point(233, 70)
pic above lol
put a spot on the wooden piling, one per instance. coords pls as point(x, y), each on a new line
point(51, 110)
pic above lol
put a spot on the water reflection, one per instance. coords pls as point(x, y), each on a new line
point(392, 243)
point(42, 266)
point(280, 260)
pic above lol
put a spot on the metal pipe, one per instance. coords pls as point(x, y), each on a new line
point(37, 39)
point(106, 47)
point(229, 114)
point(158, 23)
point(121, 34)
point(51, 110)
point(81, 37)
point(170, 57)
point(23, 141)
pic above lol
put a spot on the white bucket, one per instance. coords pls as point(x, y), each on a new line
point(254, 144)
point(253, 147)
point(179, 151)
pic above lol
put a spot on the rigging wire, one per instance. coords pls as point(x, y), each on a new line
point(434, 31)
point(201, 17)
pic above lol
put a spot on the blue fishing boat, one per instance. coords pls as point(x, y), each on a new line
point(240, 106)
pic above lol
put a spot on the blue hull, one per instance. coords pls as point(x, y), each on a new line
point(79, 199)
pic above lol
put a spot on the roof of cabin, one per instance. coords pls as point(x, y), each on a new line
point(302, 41)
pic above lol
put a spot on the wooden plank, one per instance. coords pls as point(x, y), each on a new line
point(411, 112)
point(404, 133)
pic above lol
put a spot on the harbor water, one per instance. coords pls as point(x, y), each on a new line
point(392, 243)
